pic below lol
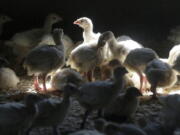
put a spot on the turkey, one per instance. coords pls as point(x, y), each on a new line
point(16, 118)
point(66, 40)
point(89, 36)
point(160, 74)
point(3, 19)
point(120, 47)
point(53, 111)
point(97, 95)
point(65, 76)
point(174, 58)
point(86, 24)
point(23, 42)
point(137, 60)
point(45, 59)
point(86, 57)
point(8, 78)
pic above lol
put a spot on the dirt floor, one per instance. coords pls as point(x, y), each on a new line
point(147, 111)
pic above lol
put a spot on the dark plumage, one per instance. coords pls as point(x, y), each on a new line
point(99, 124)
point(45, 59)
point(86, 132)
point(16, 118)
point(137, 61)
point(52, 111)
point(170, 112)
point(97, 95)
point(160, 74)
point(124, 106)
point(107, 68)
point(154, 129)
point(106, 71)
point(124, 129)
point(3, 62)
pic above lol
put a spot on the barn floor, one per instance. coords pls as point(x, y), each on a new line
point(147, 111)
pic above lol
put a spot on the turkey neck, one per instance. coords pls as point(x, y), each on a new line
point(47, 27)
point(58, 41)
point(66, 98)
point(88, 31)
point(113, 42)
point(60, 47)
point(119, 82)
point(65, 102)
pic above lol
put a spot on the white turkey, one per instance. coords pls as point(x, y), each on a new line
point(86, 57)
point(174, 58)
point(8, 78)
point(23, 42)
point(120, 47)
point(89, 35)
point(86, 24)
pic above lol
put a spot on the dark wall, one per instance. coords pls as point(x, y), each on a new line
point(142, 19)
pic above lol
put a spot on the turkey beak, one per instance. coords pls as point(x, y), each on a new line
point(76, 22)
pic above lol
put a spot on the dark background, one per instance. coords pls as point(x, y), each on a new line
point(147, 21)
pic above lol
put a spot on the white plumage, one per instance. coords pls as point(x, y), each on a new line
point(87, 56)
point(89, 35)
point(8, 78)
point(121, 46)
point(174, 58)
point(65, 76)
point(23, 42)
point(86, 24)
